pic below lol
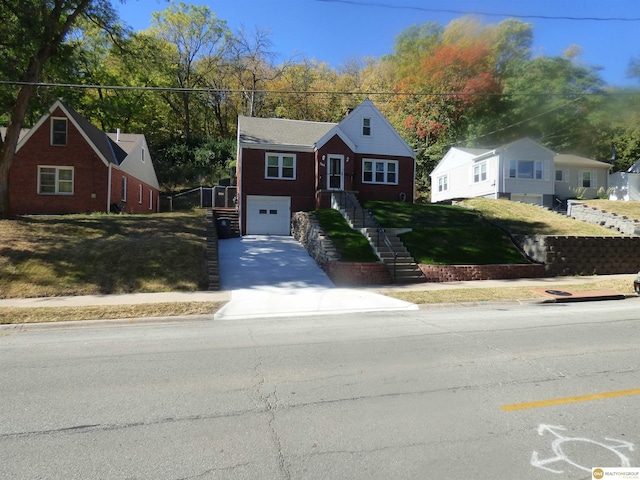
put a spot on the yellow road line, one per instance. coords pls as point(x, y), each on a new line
point(561, 401)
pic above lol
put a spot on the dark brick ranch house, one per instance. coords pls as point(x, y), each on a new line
point(285, 166)
point(64, 164)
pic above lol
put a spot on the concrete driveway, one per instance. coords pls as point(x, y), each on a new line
point(273, 276)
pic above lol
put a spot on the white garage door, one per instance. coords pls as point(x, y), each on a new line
point(268, 215)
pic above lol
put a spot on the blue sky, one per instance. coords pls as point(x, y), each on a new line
point(337, 30)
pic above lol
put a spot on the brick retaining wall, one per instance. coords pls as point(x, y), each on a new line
point(353, 273)
point(460, 273)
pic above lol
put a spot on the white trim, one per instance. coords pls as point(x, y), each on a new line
point(280, 166)
point(443, 186)
point(66, 131)
point(534, 170)
point(385, 172)
point(124, 186)
point(366, 125)
point(341, 135)
point(479, 165)
point(57, 169)
point(341, 158)
point(593, 176)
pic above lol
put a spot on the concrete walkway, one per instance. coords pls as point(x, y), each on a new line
point(273, 276)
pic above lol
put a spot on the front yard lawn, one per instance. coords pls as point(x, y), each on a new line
point(351, 245)
point(447, 235)
point(102, 254)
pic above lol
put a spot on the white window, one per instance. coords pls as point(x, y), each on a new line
point(480, 172)
point(280, 166)
point(140, 194)
point(55, 180)
point(150, 199)
point(443, 183)
point(526, 169)
point(366, 127)
point(58, 131)
point(587, 179)
point(380, 171)
point(123, 197)
point(560, 176)
point(142, 154)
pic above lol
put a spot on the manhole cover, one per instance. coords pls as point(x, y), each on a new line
point(559, 293)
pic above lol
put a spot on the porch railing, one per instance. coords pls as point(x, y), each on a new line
point(381, 236)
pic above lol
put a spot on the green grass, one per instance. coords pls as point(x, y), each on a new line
point(351, 245)
point(102, 254)
point(523, 219)
point(447, 235)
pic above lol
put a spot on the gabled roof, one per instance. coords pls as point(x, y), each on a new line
point(106, 149)
point(389, 143)
point(336, 131)
point(280, 133)
point(308, 136)
point(473, 151)
point(578, 161)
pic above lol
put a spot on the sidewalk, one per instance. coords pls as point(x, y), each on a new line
point(225, 295)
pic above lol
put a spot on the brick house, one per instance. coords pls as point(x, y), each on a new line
point(286, 166)
point(64, 164)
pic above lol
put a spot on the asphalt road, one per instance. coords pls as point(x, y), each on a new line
point(495, 391)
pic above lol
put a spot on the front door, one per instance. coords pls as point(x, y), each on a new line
point(335, 172)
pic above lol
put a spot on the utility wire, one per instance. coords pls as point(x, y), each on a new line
point(301, 92)
point(488, 14)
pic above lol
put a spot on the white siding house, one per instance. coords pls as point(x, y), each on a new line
point(523, 171)
point(520, 171)
point(575, 174)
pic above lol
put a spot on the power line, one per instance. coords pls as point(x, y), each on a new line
point(488, 14)
point(305, 92)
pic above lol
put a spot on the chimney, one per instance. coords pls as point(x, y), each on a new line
point(117, 134)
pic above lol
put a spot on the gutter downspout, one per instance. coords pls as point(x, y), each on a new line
point(109, 189)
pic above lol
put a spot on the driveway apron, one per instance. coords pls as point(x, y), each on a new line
point(274, 276)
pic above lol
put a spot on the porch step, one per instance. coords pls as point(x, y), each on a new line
point(399, 262)
point(232, 215)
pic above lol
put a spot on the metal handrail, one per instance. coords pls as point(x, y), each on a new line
point(387, 242)
point(349, 204)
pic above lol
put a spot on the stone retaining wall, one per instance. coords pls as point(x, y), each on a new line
point(563, 255)
point(622, 224)
point(461, 273)
point(306, 229)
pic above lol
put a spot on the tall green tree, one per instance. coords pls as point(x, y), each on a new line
point(33, 35)
point(552, 99)
point(194, 32)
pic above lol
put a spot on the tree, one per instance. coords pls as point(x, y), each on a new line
point(33, 34)
point(194, 32)
point(254, 65)
point(551, 99)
